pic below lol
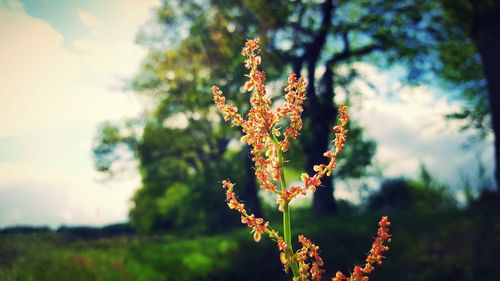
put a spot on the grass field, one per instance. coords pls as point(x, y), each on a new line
point(440, 245)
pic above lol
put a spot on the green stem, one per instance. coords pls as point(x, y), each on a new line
point(288, 236)
point(287, 230)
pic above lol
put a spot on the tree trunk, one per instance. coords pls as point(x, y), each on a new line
point(486, 34)
point(317, 113)
point(323, 200)
point(321, 117)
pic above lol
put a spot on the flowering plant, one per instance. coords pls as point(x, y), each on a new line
point(269, 143)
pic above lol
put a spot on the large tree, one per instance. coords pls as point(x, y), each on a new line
point(469, 52)
point(321, 39)
point(486, 35)
point(197, 44)
point(183, 151)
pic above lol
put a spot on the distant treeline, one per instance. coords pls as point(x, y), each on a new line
point(110, 230)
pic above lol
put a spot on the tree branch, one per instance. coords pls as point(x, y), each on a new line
point(314, 48)
point(313, 51)
point(348, 54)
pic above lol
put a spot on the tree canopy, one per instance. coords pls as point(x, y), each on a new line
point(185, 149)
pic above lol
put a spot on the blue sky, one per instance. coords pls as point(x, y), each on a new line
point(62, 15)
point(63, 67)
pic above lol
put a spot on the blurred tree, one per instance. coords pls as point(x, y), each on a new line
point(115, 146)
point(181, 149)
point(197, 43)
point(424, 193)
point(469, 49)
point(321, 39)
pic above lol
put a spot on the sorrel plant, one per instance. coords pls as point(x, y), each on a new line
point(262, 132)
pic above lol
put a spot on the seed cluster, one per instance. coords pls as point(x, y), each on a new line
point(268, 142)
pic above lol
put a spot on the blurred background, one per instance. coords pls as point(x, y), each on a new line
point(112, 152)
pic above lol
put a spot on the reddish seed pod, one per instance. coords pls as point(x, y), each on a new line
point(268, 142)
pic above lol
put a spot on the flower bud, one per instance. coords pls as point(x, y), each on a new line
point(283, 258)
point(258, 60)
point(248, 85)
point(256, 236)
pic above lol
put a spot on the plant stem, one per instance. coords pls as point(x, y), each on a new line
point(287, 230)
point(288, 236)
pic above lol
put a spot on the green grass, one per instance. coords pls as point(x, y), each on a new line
point(444, 245)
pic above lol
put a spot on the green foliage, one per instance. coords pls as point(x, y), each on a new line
point(114, 142)
point(179, 143)
point(356, 158)
point(44, 258)
point(426, 193)
point(182, 143)
point(427, 246)
point(25, 230)
point(460, 66)
point(193, 259)
point(180, 173)
point(355, 161)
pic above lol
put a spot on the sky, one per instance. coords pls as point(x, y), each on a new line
point(63, 68)
point(408, 123)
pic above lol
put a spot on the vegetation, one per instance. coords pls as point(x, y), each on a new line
point(179, 228)
point(269, 133)
point(425, 193)
point(448, 244)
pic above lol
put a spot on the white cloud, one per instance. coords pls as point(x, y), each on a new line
point(89, 20)
point(409, 126)
point(52, 100)
point(31, 81)
point(54, 197)
point(45, 84)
